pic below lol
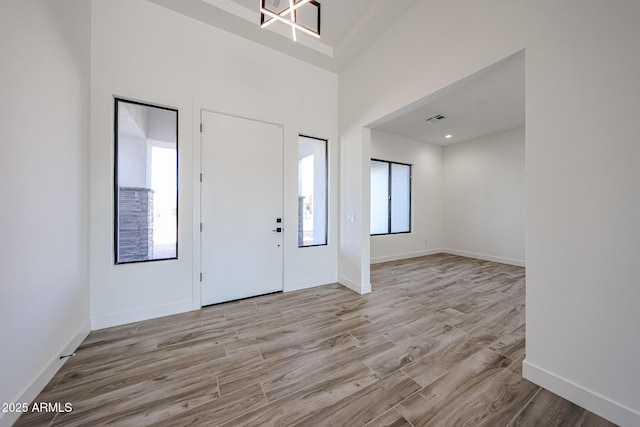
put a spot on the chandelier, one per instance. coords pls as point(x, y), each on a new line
point(291, 14)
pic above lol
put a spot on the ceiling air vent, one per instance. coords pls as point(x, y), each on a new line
point(435, 119)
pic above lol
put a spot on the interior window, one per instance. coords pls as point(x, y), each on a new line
point(390, 197)
point(312, 191)
point(146, 182)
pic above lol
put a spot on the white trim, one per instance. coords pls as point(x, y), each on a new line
point(198, 243)
point(309, 283)
point(238, 116)
point(123, 318)
point(354, 286)
point(407, 255)
point(196, 165)
point(501, 260)
point(46, 374)
point(594, 402)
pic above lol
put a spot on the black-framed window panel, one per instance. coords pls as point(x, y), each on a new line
point(307, 16)
point(145, 182)
point(313, 201)
point(390, 197)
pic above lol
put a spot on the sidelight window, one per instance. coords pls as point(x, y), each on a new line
point(146, 182)
point(312, 191)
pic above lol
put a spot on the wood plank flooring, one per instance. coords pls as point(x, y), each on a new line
point(439, 342)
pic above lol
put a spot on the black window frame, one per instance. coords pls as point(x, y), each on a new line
point(390, 193)
point(116, 101)
point(326, 201)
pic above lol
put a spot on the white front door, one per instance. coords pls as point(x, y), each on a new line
point(241, 195)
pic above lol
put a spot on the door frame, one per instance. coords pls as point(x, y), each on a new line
point(197, 197)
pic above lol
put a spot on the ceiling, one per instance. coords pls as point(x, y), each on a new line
point(348, 26)
point(487, 102)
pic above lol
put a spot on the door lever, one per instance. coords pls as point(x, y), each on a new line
point(278, 230)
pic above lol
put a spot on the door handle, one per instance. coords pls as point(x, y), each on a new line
point(278, 230)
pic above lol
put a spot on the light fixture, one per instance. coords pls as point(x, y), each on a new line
point(448, 136)
point(288, 16)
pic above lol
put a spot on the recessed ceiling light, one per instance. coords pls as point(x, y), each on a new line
point(448, 136)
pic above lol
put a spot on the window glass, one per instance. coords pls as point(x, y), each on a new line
point(390, 197)
point(146, 182)
point(400, 198)
point(379, 197)
point(312, 191)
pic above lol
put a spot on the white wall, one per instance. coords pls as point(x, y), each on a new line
point(44, 289)
point(354, 250)
point(583, 203)
point(582, 192)
point(145, 52)
point(426, 197)
point(484, 197)
point(133, 167)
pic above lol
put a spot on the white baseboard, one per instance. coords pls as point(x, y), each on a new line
point(309, 283)
point(354, 286)
point(407, 255)
point(594, 402)
point(46, 374)
point(123, 318)
point(501, 260)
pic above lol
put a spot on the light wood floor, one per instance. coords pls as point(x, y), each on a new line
point(439, 342)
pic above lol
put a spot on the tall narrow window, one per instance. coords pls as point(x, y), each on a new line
point(146, 182)
point(312, 191)
point(390, 197)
